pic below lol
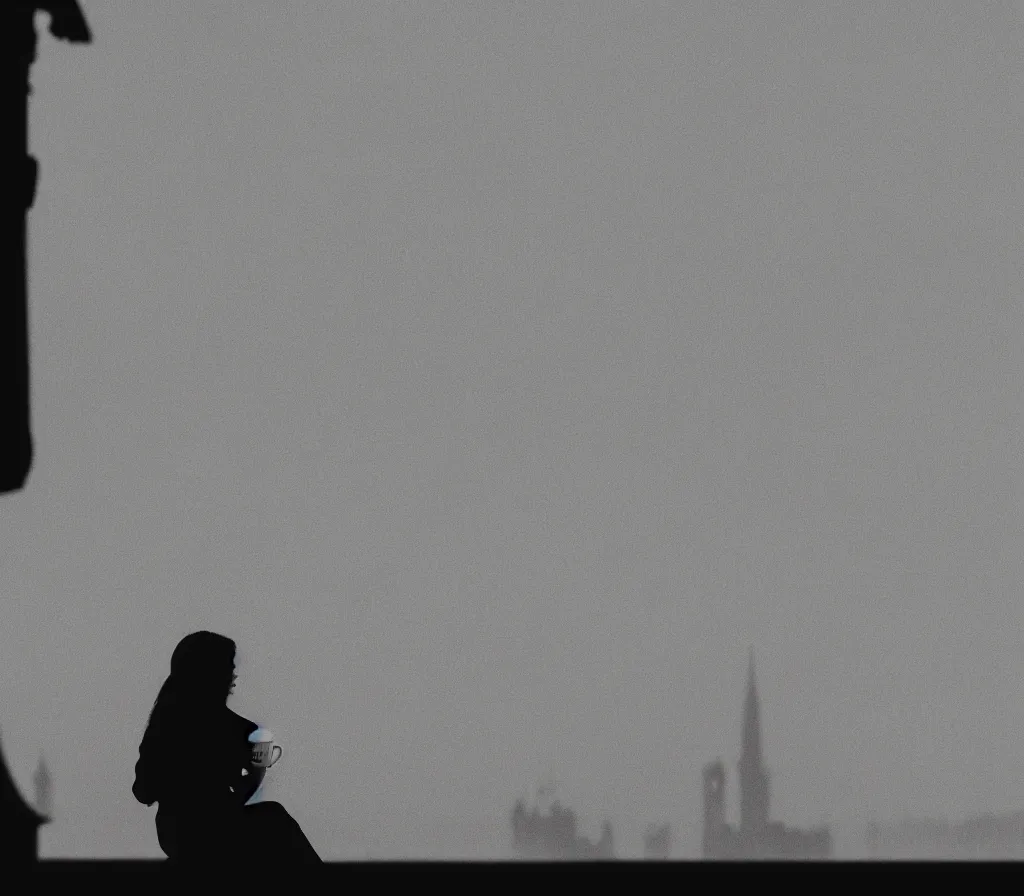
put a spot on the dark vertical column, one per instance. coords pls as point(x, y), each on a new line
point(20, 172)
point(17, 25)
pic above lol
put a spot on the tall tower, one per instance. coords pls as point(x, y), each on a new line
point(714, 809)
point(44, 789)
point(753, 774)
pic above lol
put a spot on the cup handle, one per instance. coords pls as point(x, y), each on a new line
point(278, 756)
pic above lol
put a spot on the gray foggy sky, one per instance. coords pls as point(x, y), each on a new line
point(495, 374)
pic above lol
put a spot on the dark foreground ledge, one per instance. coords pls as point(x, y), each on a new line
point(450, 870)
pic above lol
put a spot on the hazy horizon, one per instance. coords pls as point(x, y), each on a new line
point(495, 375)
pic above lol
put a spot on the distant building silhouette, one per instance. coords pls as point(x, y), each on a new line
point(540, 837)
point(657, 841)
point(987, 836)
point(757, 837)
point(44, 789)
point(19, 822)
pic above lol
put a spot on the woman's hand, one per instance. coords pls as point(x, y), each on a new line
point(250, 783)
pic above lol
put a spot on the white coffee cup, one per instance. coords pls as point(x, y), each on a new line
point(263, 747)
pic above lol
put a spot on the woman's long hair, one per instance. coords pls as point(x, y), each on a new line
point(200, 681)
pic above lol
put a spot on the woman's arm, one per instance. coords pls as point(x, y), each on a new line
point(248, 784)
point(143, 786)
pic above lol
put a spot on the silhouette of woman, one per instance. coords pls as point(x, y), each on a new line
point(191, 761)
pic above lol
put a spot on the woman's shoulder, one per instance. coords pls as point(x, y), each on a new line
point(240, 722)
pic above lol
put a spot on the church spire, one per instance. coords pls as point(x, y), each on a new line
point(753, 775)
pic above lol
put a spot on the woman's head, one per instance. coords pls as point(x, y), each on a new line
point(203, 664)
point(202, 676)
